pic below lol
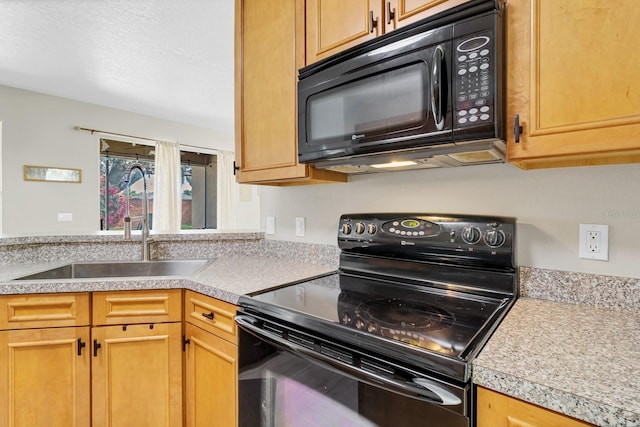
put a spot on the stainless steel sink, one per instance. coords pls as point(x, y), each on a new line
point(86, 270)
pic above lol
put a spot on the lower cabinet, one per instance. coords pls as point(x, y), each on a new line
point(44, 378)
point(211, 354)
point(136, 368)
point(44, 361)
point(137, 375)
point(498, 410)
point(117, 361)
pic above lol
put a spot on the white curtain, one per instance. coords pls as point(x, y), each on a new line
point(228, 190)
point(167, 193)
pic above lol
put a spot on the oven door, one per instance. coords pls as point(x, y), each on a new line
point(283, 383)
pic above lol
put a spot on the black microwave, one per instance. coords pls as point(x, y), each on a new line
point(430, 94)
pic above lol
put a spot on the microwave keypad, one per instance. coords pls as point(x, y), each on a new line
point(474, 94)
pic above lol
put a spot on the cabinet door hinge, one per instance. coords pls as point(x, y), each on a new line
point(236, 168)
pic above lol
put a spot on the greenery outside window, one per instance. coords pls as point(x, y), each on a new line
point(199, 185)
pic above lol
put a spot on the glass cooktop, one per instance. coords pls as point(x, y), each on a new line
point(433, 319)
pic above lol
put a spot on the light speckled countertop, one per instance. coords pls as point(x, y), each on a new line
point(225, 278)
point(579, 360)
point(579, 355)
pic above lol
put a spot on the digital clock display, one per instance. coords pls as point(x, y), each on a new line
point(410, 223)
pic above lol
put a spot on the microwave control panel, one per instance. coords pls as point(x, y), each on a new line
point(474, 76)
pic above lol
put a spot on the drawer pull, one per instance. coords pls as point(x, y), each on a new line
point(208, 315)
point(96, 346)
point(81, 345)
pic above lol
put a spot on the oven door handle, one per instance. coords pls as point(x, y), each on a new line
point(418, 388)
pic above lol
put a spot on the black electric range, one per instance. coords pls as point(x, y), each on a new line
point(417, 293)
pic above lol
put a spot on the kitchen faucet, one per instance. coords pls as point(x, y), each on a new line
point(146, 238)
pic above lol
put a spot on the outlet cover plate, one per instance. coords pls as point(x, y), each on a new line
point(594, 241)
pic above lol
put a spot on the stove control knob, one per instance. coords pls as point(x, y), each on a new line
point(360, 228)
point(471, 235)
point(346, 228)
point(371, 228)
point(494, 238)
point(346, 319)
point(360, 324)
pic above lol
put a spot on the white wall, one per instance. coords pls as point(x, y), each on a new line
point(548, 204)
point(39, 130)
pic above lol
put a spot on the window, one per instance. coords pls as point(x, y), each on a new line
point(199, 185)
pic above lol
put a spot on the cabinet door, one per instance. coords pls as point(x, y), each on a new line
point(573, 82)
point(498, 410)
point(211, 379)
point(137, 375)
point(44, 382)
point(269, 51)
point(335, 25)
point(399, 13)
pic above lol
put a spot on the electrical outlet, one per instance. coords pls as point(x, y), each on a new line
point(299, 226)
point(271, 225)
point(65, 217)
point(594, 242)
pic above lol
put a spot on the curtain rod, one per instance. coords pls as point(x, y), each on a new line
point(106, 133)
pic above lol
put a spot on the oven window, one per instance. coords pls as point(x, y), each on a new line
point(392, 101)
point(280, 389)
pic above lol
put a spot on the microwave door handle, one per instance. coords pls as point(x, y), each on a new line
point(417, 388)
point(439, 87)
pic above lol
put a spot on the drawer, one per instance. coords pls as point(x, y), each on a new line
point(211, 314)
point(130, 307)
point(44, 311)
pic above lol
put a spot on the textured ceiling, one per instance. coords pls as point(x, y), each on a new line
point(171, 59)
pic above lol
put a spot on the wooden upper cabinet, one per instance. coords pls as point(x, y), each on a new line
point(269, 49)
point(336, 25)
point(404, 12)
point(573, 82)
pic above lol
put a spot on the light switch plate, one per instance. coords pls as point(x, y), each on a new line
point(271, 225)
point(65, 217)
point(300, 226)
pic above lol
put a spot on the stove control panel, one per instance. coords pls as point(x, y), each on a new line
point(419, 236)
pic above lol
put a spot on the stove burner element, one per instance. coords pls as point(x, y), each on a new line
point(406, 315)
